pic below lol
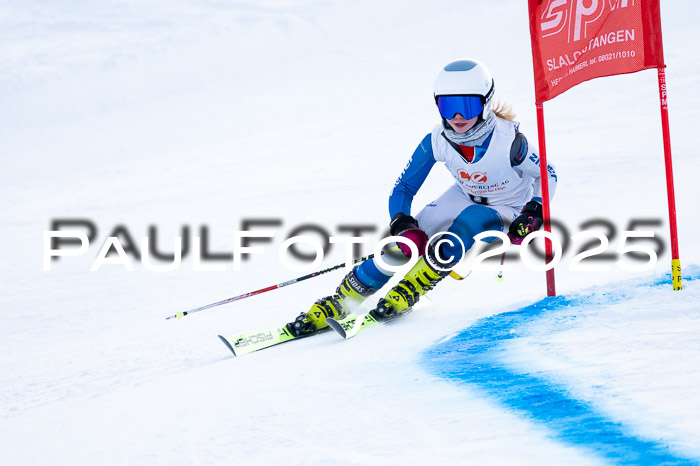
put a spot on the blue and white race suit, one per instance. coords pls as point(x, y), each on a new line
point(493, 182)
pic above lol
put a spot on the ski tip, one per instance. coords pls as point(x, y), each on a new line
point(335, 325)
point(228, 345)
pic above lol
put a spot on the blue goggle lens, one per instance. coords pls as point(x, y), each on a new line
point(469, 106)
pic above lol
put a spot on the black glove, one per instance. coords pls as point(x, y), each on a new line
point(402, 222)
point(407, 226)
point(529, 220)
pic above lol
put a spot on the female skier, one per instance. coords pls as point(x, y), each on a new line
point(497, 188)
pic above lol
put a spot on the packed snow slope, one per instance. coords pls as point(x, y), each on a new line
point(166, 119)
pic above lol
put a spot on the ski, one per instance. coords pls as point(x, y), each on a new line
point(353, 324)
point(249, 342)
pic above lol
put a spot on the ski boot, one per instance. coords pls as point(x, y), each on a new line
point(401, 298)
point(350, 293)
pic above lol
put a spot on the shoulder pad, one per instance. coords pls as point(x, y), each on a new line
point(518, 150)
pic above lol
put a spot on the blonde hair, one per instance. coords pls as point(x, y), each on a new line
point(503, 110)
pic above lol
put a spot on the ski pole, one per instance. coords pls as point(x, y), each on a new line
point(457, 276)
point(499, 277)
point(180, 315)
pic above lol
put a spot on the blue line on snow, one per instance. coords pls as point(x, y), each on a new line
point(472, 357)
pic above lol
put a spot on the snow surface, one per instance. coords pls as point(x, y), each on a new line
point(177, 114)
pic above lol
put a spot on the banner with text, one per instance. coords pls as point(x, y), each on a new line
point(577, 40)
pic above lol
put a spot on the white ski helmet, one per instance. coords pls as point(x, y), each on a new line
point(465, 77)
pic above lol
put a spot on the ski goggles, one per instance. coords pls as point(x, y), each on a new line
point(469, 106)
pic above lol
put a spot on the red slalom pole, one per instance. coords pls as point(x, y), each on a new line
point(675, 259)
point(544, 180)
